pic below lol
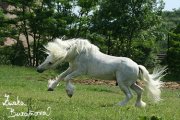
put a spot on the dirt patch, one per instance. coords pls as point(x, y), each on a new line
point(171, 85)
point(96, 82)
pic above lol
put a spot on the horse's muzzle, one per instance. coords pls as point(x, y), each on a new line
point(40, 70)
point(50, 89)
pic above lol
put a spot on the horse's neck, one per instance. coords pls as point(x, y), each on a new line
point(71, 57)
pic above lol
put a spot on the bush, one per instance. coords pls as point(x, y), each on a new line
point(14, 55)
point(143, 53)
point(174, 58)
point(5, 55)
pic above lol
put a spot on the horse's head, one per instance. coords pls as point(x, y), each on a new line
point(48, 63)
point(56, 55)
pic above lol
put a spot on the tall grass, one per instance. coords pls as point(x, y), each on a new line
point(90, 102)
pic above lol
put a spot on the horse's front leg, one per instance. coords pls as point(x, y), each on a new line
point(69, 85)
point(53, 83)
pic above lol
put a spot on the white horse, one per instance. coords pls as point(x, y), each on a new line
point(85, 59)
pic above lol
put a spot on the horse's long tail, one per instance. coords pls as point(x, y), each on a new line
point(153, 82)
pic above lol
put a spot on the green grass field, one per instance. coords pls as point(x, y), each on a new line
point(90, 102)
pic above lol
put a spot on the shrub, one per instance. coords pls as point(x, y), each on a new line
point(174, 58)
point(5, 53)
point(143, 53)
point(14, 55)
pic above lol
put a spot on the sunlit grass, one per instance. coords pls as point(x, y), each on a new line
point(90, 102)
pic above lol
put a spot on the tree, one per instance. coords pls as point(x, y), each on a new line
point(21, 10)
point(40, 21)
point(122, 21)
point(5, 28)
point(83, 12)
point(171, 18)
point(1, 27)
point(174, 52)
point(112, 25)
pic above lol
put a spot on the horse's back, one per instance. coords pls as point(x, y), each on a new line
point(106, 67)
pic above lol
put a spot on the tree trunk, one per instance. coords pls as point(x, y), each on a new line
point(34, 50)
point(37, 51)
point(121, 46)
point(109, 44)
point(129, 44)
point(27, 38)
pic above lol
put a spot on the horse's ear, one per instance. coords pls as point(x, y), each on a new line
point(57, 40)
point(46, 50)
point(68, 48)
point(63, 37)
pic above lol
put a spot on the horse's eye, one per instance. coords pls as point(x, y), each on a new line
point(50, 63)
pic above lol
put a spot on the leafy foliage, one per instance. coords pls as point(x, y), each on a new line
point(123, 21)
point(14, 55)
point(172, 18)
point(143, 53)
point(174, 52)
point(39, 21)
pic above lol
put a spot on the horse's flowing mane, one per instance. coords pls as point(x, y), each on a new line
point(64, 48)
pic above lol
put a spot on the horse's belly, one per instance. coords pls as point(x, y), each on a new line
point(100, 70)
point(104, 76)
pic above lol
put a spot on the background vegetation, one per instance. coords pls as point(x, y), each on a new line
point(133, 28)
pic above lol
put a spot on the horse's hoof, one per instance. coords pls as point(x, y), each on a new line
point(70, 95)
point(50, 89)
point(140, 104)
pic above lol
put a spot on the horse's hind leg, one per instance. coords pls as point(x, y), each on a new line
point(125, 88)
point(138, 90)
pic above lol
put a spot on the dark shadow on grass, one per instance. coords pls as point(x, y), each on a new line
point(107, 105)
point(101, 90)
